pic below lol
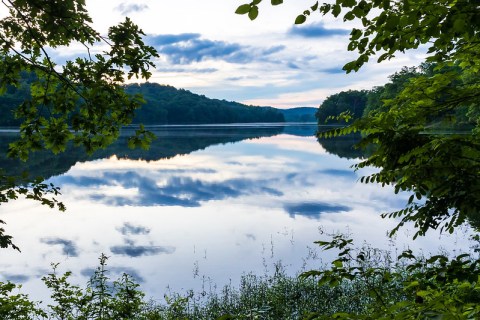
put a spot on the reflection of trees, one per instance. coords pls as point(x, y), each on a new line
point(301, 130)
point(343, 146)
point(170, 142)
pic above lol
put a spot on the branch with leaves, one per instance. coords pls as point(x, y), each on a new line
point(82, 100)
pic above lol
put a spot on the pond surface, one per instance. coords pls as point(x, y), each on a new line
point(204, 205)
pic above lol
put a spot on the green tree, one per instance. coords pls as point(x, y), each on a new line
point(351, 102)
point(82, 100)
point(390, 90)
point(440, 170)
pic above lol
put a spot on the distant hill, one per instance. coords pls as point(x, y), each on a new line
point(164, 105)
point(301, 114)
point(168, 105)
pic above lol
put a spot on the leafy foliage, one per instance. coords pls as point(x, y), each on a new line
point(88, 91)
point(406, 122)
point(361, 283)
point(12, 187)
point(82, 100)
point(351, 102)
point(410, 287)
point(449, 27)
point(440, 169)
point(417, 152)
point(276, 296)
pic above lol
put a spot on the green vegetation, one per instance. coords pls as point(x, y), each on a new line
point(167, 105)
point(350, 102)
point(276, 296)
point(86, 92)
point(424, 143)
point(163, 105)
point(300, 114)
point(440, 170)
point(405, 121)
point(409, 287)
point(362, 283)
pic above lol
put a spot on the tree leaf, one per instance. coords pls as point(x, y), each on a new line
point(243, 9)
point(300, 19)
point(253, 13)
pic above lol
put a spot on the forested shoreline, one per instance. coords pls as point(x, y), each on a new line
point(163, 104)
point(346, 106)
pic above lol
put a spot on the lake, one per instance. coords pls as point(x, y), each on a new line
point(204, 205)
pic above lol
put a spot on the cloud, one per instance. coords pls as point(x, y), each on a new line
point(16, 278)
point(316, 30)
point(313, 209)
point(187, 48)
point(126, 8)
point(166, 39)
point(234, 78)
point(115, 273)
point(187, 70)
point(251, 236)
point(129, 228)
point(119, 271)
point(339, 173)
point(134, 251)
point(334, 70)
point(177, 191)
point(68, 247)
point(292, 65)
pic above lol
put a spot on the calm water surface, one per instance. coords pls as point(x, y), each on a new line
point(204, 205)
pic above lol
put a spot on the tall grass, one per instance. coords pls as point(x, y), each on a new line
point(362, 283)
point(267, 296)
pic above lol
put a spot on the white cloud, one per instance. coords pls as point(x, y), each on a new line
point(227, 56)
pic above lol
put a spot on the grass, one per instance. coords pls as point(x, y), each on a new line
point(362, 283)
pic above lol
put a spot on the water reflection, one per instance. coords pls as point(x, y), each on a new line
point(134, 251)
point(68, 247)
point(313, 209)
point(223, 204)
point(129, 228)
point(16, 278)
point(171, 191)
point(344, 146)
point(116, 273)
point(171, 141)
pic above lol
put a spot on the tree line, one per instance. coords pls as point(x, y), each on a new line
point(345, 106)
point(162, 104)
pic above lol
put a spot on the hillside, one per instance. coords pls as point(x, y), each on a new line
point(168, 105)
point(301, 114)
point(164, 105)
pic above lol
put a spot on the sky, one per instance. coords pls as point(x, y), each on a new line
point(208, 49)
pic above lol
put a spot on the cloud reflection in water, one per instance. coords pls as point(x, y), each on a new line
point(129, 228)
point(175, 191)
point(135, 251)
point(68, 247)
point(115, 273)
point(16, 278)
point(313, 210)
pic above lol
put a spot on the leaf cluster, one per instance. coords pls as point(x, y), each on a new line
point(436, 287)
point(449, 27)
point(83, 100)
point(86, 92)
